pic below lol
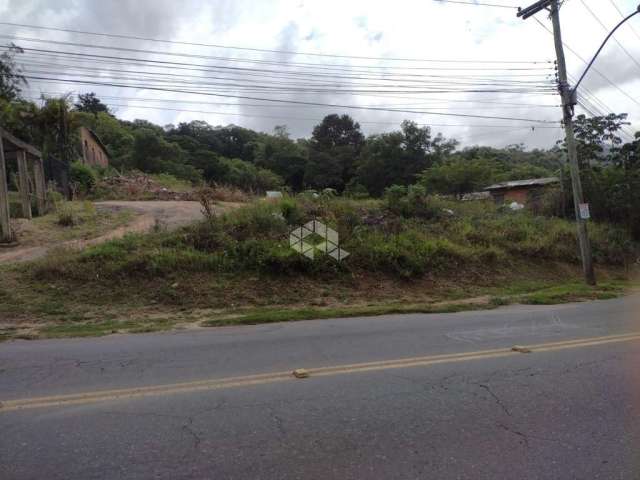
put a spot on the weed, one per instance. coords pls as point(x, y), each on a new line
point(66, 215)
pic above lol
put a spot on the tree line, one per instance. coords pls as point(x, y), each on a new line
point(337, 155)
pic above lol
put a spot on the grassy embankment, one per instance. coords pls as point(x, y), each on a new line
point(410, 255)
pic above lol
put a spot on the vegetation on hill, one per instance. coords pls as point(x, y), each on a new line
point(410, 248)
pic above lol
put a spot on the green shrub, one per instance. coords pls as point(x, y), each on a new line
point(207, 236)
point(291, 211)
point(83, 176)
point(393, 195)
point(262, 220)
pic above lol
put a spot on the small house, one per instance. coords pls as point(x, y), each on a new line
point(523, 192)
point(94, 153)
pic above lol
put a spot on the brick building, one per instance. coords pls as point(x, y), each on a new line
point(94, 153)
point(523, 192)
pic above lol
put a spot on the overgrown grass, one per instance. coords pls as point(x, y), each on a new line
point(400, 261)
point(255, 239)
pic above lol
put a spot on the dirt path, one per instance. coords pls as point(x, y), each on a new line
point(166, 214)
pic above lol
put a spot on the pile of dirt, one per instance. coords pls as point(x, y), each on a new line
point(138, 186)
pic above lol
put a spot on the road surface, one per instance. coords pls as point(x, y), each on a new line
point(391, 397)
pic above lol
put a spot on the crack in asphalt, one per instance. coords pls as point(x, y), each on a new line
point(525, 438)
point(188, 428)
point(282, 433)
point(495, 397)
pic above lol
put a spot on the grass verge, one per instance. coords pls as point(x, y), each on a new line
point(63, 323)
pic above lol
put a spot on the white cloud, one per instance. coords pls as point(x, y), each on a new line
point(406, 29)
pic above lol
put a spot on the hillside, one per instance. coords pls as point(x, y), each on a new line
point(413, 253)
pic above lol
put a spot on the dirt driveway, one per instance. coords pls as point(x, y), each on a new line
point(166, 214)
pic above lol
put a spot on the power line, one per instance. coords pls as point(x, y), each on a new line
point(439, 101)
point(286, 117)
point(442, 88)
point(234, 59)
point(598, 106)
point(297, 102)
point(477, 4)
point(622, 16)
point(316, 67)
point(29, 60)
point(606, 29)
point(602, 75)
point(110, 59)
point(409, 83)
point(264, 50)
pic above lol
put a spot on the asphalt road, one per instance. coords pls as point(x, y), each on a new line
point(410, 397)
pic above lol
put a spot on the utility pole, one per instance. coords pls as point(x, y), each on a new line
point(568, 102)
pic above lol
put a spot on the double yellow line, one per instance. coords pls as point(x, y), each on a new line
point(267, 378)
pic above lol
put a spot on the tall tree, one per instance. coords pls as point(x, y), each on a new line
point(58, 125)
point(396, 158)
point(629, 156)
point(11, 78)
point(598, 138)
point(334, 147)
point(90, 103)
point(282, 155)
point(457, 176)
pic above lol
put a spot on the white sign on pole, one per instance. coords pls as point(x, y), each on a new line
point(584, 211)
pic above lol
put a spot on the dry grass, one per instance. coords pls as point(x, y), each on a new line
point(228, 193)
point(88, 222)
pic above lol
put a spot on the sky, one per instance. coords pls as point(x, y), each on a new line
point(472, 72)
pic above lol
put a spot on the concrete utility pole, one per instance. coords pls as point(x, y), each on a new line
point(568, 102)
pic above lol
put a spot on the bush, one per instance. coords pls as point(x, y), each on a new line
point(410, 202)
point(66, 215)
point(260, 220)
point(291, 211)
point(83, 177)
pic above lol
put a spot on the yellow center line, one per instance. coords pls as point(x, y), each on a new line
point(82, 398)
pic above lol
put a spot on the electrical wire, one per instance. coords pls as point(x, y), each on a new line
point(602, 75)
point(477, 4)
point(264, 50)
point(439, 101)
point(245, 60)
point(607, 30)
point(408, 83)
point(286, 117)
point(622, 16)
point(297, 102)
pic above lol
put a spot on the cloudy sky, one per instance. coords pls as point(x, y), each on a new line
point(473, 72)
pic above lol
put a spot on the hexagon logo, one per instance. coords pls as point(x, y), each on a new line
point(314, 238)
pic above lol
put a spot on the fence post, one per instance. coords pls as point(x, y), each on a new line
point(5, 227)
point(23, 184)
point(41, 188)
